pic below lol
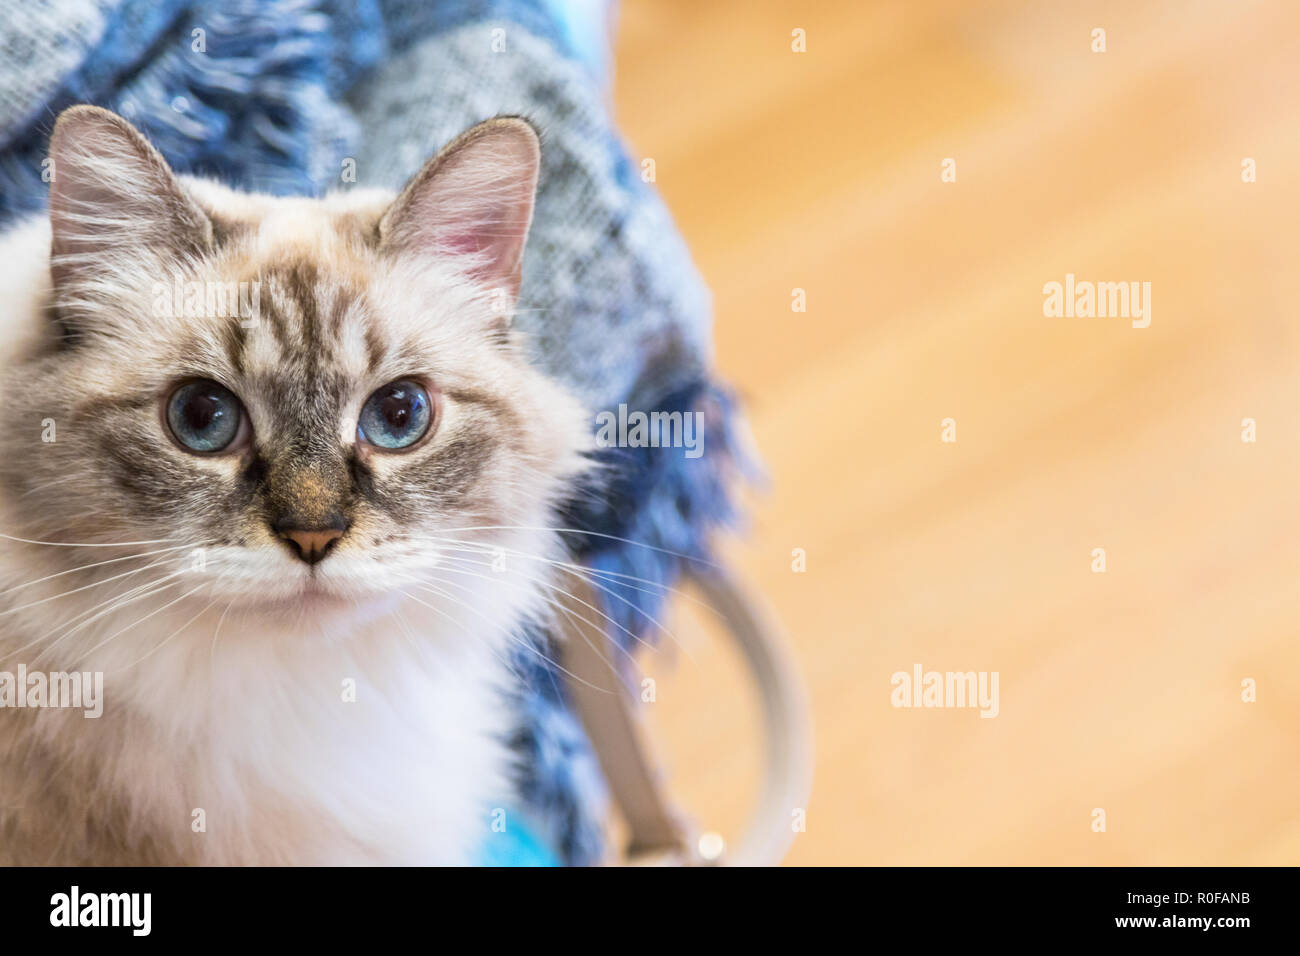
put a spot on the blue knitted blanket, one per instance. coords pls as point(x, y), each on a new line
point(278, 95)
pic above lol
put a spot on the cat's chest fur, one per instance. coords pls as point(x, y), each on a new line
point(385, 746)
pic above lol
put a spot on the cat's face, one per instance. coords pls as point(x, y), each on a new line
point(323, 396)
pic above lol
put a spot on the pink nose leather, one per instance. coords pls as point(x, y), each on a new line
point(312, 546)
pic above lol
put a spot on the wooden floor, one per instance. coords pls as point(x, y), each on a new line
point(821, 171)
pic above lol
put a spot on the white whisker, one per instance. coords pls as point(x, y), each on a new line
point(90, 544)
point(129, 627)
point(97, 564)
point(547, 584)
point(580, 572)
point(116, 604)
point(85, 587)
point(178, 630)
point(568, 613)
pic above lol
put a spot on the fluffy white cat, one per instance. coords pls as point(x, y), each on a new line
point(279, 470)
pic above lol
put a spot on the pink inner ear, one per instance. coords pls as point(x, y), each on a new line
point(462, 242)
point(494, 246)
point(482, 217)
point(475, 200)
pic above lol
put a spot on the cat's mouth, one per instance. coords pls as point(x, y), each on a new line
point(315, 594)
point(313, 597)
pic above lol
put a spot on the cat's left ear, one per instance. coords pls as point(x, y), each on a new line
point(474, 200)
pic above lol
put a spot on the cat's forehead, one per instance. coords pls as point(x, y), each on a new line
point(296, 327)
point(300, 274)
point(296, 304)
point(290, 221)
point(304, 318)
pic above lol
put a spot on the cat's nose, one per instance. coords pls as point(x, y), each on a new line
point(311, 544)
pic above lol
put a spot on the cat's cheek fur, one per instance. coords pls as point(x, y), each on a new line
point(285, 766)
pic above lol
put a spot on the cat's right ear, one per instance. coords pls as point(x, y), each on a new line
point(472, 202)
point(115, 205)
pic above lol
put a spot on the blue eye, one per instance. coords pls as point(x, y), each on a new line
point(396, 416)
point(204, 416)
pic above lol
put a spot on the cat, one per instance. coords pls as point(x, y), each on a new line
point(299, 542)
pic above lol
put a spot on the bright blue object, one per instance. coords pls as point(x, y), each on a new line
point(518, 844)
